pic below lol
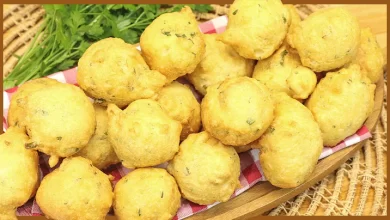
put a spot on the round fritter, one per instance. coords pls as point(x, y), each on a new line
point(327, 39)
point(179, 103)
point(205, 170)
point(237, 111)
point(143, 134)
point(19, 175)
point(256, 28)
point(341, 103)
point(173, 44)
point(291, 146)
point(75, 190)
point(295, 19)
point(220, 62)
point(111, 59)
point(283, 72)
point(60, 120)
point(99, 149)
point(146, 193)
point(16, 113)
point(369, 56)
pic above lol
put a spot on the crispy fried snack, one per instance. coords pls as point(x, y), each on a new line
point(283, 72)
point(256, 28)
point(146, 193)
point(341, 103)
point(112, 71)
point(220, 62)
point(369, 56)
point(237, 111)
point(327, 39)
point(291, 146)
point(60, 120)
point(295, 20)
point(143, 134)
point(206, 170)
point(16, 113)
point(19, 175)
point(99, 149)
point(76, 190)
point(173, 44)
point(179, 103)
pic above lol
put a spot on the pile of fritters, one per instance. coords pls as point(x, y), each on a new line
point(259, 85)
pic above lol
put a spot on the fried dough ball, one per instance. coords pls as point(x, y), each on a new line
point(146, 193)
point(143, 134)
point(173, 44)
point(179, 103)
point(75, 190)
point(291, 146)
point(60, 120)
point(283, 72)
point(256, 28)
point(16, 113)
point(19, 175)
point(327, 39)
point(295, 19)
point(369, 56)
point(205, 170)
point(237, 111)
point(341, 103)
point(220, 62)
point(99, 149)
point(112, 71)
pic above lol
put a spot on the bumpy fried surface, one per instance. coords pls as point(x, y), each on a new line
point(341, 102)
point(369, 56)
point(291, 146)
point(237, 111)
point(283, 72)
point(179, 103)
point(173, 44)
point(19, 175)
point(99, 149)
point(206, 170)
point(16, 113)
point(75, 190)
point(60, 120)
point(327, 39)
point(143, 134)
point(220, 62)
point(256, 28)
point(295, 19)
point(112, 71)
point(146, 193)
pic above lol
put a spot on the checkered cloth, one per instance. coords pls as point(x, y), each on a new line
point(251, 172)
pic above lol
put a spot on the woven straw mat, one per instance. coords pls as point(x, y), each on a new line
point(358, 187)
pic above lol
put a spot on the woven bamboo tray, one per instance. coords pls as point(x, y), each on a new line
point(358, 187)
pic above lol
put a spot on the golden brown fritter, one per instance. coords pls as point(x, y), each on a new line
point(173, 44)
point(291, 146)
point(256, 28)
point(99, 149)
point(60, 120)
point(112, 71)
point(220, 62)
point(205, 170)
point(283, 72)
point(341, 103)
point(237, 111)
point(179, 103)
point(19, 175)
point(143, 134)
point(327, 39)
point(76, 190)
point(146, 193)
